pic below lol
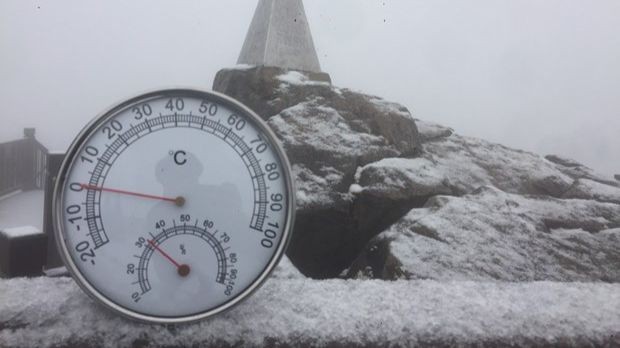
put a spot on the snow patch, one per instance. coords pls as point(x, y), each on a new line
point(355, 189)
point(17, 232)
point(297, 78)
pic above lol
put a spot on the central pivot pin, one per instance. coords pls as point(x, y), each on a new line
point(183, 270)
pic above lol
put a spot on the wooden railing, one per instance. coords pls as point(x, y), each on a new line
point(22, 164)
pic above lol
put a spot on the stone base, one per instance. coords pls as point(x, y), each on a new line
point(255, 85)
point(22, 252)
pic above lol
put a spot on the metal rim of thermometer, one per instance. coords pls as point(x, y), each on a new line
point(174, 205)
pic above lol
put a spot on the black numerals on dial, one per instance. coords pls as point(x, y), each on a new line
point(141, 242)
point(237, 122)
point(259, 144)
point(136, 297)
point(232, 276)
point(276, 202)
point(208, 107)
point(91, 152)
point(270, 234)
point(73, 210)
point(87, 254)
point(175, 104)
point(112, 129)
point(272, 171)
point(142, 111)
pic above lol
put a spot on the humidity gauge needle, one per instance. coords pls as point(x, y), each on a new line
point(183, 270)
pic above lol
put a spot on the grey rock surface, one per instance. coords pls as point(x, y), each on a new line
point(382, 195)
point(327, 133)
point(493, 235)
point(577, 170)
point(589, 189)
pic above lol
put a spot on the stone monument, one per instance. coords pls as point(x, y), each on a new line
point(279, 36)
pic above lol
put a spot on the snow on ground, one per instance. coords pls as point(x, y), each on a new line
point(46, 312)
point(23, 209)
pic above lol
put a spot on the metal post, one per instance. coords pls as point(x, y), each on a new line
point(53, 166)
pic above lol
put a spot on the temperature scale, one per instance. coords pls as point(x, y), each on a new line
point(174, 205)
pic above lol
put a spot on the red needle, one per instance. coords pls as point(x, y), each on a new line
point(183, 270)
point(180, 201)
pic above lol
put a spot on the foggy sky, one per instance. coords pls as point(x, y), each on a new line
point(538, 75)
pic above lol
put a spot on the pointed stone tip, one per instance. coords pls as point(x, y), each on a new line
point(275, 40)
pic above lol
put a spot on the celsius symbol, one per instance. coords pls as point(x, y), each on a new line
point(179, 157)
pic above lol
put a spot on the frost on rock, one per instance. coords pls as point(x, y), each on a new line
point(589, 189)
point(316, 135)
point(493, 235)
point(457, 165)
point(430, 131)
point(364, 165)
point(318, 190)
point(577, 170)
point(298, 78)
point(46, 312)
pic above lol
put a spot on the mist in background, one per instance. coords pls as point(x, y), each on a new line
point(543, 76)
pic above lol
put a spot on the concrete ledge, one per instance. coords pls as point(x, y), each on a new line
point(46, 312)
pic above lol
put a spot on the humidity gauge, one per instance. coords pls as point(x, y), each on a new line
point(174, 205)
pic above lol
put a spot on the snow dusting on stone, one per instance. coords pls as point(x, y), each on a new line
point(431, 131)
point(493, 235)
point(589, 189)
point(47, 312)
point(457, 165)
point(298, 78)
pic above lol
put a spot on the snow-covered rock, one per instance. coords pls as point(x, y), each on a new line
point(327, 133)
point(577, 170)
point(430, 131)
point(493, 235)
point(364, 167)
point(589, 189)
point(54, 312)
point(457, 165)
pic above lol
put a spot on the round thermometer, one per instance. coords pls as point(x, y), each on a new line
point(174, 205)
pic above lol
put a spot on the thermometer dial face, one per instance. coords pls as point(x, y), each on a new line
point(174, 205)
